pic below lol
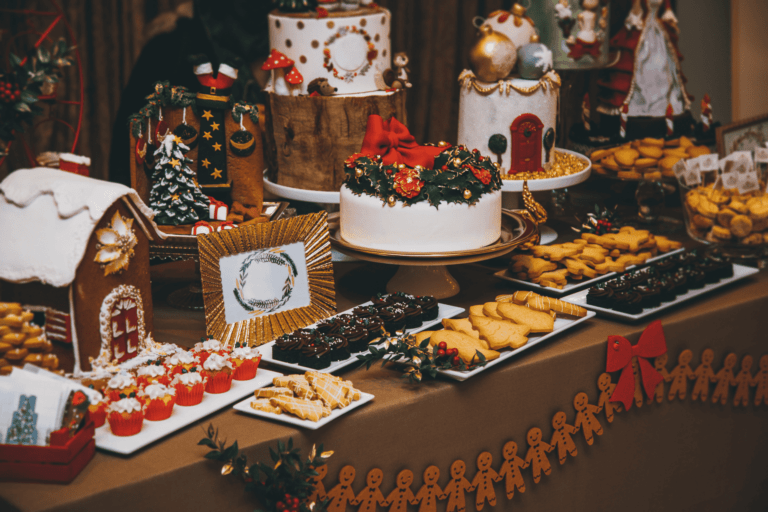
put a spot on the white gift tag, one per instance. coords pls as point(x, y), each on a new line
point(748, 182)
point(679, 168)
point(708, 162)
point(729, 180)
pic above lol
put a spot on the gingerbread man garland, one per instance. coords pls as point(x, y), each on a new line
point(760, 380)
point(483, 481)
point(537, 455)
point(606, 388)
point(430, 491)
point(724, 379)
point(561, 438)
point(318, 492)
point(342, 493)
point(742, 381)
point(680, 376)
point(371, 495)
point(660, 363)
point(704, 375)
point(511, 469)
point(585, 419)
point(401, 495)
point(456, 488)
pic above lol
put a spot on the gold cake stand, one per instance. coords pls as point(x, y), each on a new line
point(427, 273)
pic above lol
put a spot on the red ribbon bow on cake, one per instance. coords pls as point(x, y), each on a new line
point(620, 353)
point(395, 144)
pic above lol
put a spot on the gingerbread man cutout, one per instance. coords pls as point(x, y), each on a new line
point(680, 376)
point(561, 438)
point(401, 495)
point(483, 481)
point(704, 375)
point(606, 388)
point(724, 379)
point(761, 381)
point(318, 492)
point(743, 380)
point(660, 363)
point(456, 488)
point(638, 383)
point(511, 469)
point(371, 495)
point(585, 419)
point(537, 455)
point(430, 491)
point(342, 493)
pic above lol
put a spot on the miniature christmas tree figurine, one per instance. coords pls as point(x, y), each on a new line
point(23, 429)
point(175, 196)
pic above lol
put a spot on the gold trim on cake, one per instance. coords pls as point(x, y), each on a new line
point(468, 79)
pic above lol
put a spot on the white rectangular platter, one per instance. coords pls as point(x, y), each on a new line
point(561, 325)
point(245, 406)
point(739, 272)
point(181, 416)
point(572, 286)
point(445, 311)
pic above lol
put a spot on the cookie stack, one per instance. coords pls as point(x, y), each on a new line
point(647, 159)
point(726, 216)
point(22, 342)
point(588, 256)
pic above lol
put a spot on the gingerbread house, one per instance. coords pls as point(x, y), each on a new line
point(77, 249)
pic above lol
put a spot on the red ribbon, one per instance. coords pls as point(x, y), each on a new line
point(620, 352)
point(81, 169)
point(395, 144)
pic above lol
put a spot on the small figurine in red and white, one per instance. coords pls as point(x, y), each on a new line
point(66, 162)
point(202, 228)
point(218, 209)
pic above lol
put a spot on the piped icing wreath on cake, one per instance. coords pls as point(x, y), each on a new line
point(393, 167)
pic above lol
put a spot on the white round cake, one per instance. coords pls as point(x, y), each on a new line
point(367, 221)
point(521, 111)
point(348, 47)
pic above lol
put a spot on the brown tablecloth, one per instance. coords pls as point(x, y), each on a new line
point(673, 456)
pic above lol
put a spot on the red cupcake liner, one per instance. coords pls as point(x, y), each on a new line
point(124, 427)
point(187, 396)
point(247, 369)
point(219, 382)
point(158, 410)
point(99, 415)
point(114, 394)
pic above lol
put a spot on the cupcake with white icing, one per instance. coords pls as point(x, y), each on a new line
point(245, 361)
point(189, 387)
point(210, 346)
point(219, 371)
point(152, 373)
point(97, 408)
point(120, 384)
point(159, 400)
point(181, 360)
point(125, 417)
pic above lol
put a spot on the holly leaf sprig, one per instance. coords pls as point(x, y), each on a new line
point(285, 484)
point(419, 359)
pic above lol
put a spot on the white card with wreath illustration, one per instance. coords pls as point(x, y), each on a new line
point(264, 282)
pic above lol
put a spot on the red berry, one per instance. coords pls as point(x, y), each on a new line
point(453, 352)
point(442, 345)
point(287, 497)
point(456, 360)
point(280, 505)
point(440, 353)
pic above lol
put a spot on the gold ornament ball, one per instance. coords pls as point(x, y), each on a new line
point(358, 173)
point(467, 193)
point(457, 161)
point(493, 56)
point(391, 200)
point(442, 144)
point(401, 166)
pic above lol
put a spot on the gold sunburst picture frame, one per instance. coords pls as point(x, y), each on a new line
point(230, 259)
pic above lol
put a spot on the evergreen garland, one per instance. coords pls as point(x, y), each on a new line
point(459, 176)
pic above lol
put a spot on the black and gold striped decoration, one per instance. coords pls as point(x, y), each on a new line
point(212, 152)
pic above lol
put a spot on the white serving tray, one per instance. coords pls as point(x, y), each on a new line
point(561, 325)
point(181, 416)
point(572, 286)
point(445, 311)
point(739, 272)
point(245, 406)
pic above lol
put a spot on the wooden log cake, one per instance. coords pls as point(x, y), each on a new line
point(328, 73)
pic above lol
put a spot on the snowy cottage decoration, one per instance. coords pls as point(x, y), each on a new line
point(78, 248)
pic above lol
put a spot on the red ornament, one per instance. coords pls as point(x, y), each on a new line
point(407, 183)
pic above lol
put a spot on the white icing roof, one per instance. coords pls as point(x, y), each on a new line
point(46, 219)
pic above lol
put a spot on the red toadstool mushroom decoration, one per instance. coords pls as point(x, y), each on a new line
point(294, 77)
point(278, 63)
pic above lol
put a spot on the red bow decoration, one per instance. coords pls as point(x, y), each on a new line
point(392, 140)
point(620, 352)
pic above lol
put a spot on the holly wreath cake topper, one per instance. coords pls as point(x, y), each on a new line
point(393, 167)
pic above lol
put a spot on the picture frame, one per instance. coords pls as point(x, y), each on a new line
point(744, 135)
point(264, 280)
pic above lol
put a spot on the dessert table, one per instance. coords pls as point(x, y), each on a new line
point(679, 455)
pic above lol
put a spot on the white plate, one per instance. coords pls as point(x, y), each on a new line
point(445, 311)
point(245, 406)
point(561, 324)
point(739, 272)
point(551, 183)
point(181, 416)
point(300, 194)
point(572, 286)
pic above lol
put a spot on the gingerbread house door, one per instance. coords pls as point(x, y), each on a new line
point(526, 144)
point(122, 323)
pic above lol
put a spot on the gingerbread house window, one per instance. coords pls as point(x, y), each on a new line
point(122, 324)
